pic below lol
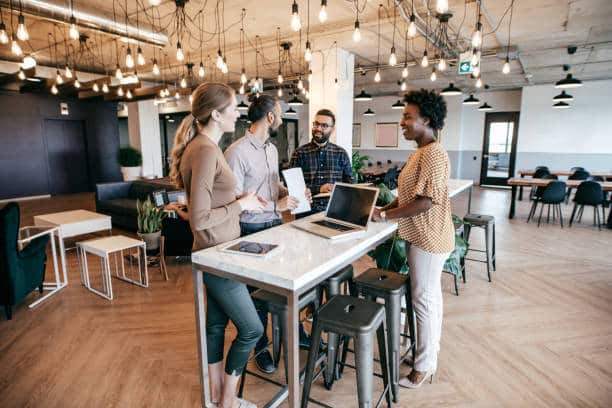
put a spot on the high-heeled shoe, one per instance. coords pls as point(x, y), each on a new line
point(406, 383)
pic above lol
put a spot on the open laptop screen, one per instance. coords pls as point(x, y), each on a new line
point(351, 204)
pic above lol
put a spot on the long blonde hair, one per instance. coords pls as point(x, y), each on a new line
point(207, 98)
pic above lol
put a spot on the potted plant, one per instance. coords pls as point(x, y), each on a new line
point(130, 161)
point(149, 223)
point(358, 163)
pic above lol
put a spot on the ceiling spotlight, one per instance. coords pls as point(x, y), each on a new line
point(177, 95)
point(471, 100)
point(433, 76)
point(243, 77)
point(403, 86)
point(279, 93)
point(442, 6)
point(183, 83)
point(15, 48)
point(58, 78)
point(478, 82)
point(68, 72)
point(77, 84)
point(442, 64)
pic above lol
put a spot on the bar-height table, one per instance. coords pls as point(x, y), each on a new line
point(303, 261)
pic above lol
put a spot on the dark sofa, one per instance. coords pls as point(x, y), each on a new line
point(119, 199)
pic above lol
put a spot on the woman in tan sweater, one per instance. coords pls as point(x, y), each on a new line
point(199, 167)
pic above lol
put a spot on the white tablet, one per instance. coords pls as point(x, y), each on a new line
point(251, 248)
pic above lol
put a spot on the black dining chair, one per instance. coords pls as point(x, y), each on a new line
point(605, 193)
point(391, 178)
point(589, 193)
point(540, 172)
point(536, 193)
point(551, 195)
point(576, 175)
point(542, 168)
point(574, 169)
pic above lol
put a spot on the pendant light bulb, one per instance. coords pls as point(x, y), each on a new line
point(377, 76)
point(140, 57)
point(201, 71)
point(224, 68)
point(392, 57)
point(28, 62)
point(476, 71)
point(295, 17)
point(77, 84)
point(105, 88)
point(425, 61)
point(177, 95)
point(219, 60)
point(129, 60)
point(120, 91)
point(22, 31)
point(68, 72)
point(3, 36)
point(21, 75)
point(506, 68)
point(179, 52)
point(280, 92)
point(478, 83)
point(308, 53)
point(477, 37)
point(58, 78)
point(323, 11)
point(129, 94)
point(403, 86)
point(279, 79)
point(356, 32)
point(15, 48)
point(405, 71)
point(183, 83)
point(95, 87)
point(300, 84)
point(118, 73)
point(442, 64)
point(442, 6)
point(433, 76)
point(54, 89)
point(412, 27)
point(74, 31)
point(155, 67)
point(243, 77)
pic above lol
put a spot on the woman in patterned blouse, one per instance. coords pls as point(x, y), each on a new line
point(423, 211)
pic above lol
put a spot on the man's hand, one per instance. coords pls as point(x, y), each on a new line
point(376, 215)
point(287, 203)
point(326, 188)
point(308, 195)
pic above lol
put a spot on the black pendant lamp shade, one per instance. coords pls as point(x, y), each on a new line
point(295, 101)
point(471, 100)
point(363, 96)
point(290, 111)
point(397, 105)
point(369, 112)
point(451, 89)
point(485, 107)
point(568, 82)
point(242, 105)
point(561, 105)
point(563, 97)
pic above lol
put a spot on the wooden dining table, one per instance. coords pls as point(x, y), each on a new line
point(516, 182)
point(606, 175)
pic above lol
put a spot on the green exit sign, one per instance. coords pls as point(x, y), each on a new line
point(465, 67)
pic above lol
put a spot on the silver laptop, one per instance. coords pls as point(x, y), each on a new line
point(348, 212)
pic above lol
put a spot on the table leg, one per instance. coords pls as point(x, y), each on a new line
point(60, 238)
point(198, 294)
point(512, 203)
point(54, 288)
point(521, 190)
point(469, 208)
point(610, 217)
point(294, 354)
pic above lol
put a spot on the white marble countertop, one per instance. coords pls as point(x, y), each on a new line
point(302, 259)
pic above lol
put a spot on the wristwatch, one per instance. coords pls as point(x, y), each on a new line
point(383, 215)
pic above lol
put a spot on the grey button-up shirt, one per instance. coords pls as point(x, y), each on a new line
point(255, 166)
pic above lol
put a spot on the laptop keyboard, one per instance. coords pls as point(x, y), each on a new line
point(333, 225)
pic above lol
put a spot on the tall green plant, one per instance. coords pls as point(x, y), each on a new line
point(129, 157)
point(358, 163)
point(149, 217)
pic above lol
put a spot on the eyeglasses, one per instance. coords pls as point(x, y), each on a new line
point(323, 126)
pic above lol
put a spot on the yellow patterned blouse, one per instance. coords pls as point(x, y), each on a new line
point(426, 174)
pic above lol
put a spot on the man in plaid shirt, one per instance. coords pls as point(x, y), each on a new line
point(323, 163)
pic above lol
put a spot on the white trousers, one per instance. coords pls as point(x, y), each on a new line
point(425, 280)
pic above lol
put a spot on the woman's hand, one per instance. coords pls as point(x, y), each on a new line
point(252, 202)
point(376, 215)
point(287, 203)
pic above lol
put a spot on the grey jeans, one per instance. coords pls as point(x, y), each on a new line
point(230, 300)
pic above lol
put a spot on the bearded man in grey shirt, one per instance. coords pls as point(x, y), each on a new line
point(254, 162)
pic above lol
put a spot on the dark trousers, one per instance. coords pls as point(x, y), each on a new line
point(247, 229)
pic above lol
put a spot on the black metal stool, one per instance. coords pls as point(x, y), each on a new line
point(277, 307)
point(359, 319)
point(390, 286)
point(332, 288)
point(488, 223)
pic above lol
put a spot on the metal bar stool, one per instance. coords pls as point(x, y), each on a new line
point(359, 319)
point(390, 286)
point(331, 287)
point(488, 223)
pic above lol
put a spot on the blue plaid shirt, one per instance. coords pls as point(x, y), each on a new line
point(321, 165)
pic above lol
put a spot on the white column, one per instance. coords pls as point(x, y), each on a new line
point(143, 126)
point(339, 99)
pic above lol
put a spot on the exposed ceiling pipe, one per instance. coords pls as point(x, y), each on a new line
point(92, 19)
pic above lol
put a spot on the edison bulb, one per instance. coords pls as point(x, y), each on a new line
point(356, 33)
point(403, 86)
point(74, 31)
point(129, 60)
point(377, 76)
point(477, 39)
point(412, 29)
point(323, 13)
point(58, 78)
point(155, 68)
point(129, 94)
point(3, 36)
point(295, 21)
point(140, 57)
point(104, 88)
point(392, 57)
point(54, 89)
point(506, 68)
point(183, 83)
point(425, 61)
point(95, 87)
point(118, 73)
point(120, 91)
point(68, 72)
point(405, 72)
point(433, 76)
point(478, 83)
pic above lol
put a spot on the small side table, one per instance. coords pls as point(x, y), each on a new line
point(114, 245)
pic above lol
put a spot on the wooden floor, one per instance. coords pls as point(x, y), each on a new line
point(539, 335)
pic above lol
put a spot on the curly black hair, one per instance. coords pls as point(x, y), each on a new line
point(431, 105)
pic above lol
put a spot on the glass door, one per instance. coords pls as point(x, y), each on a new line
point(499, 148)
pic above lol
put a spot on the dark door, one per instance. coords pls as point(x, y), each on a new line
point(499, 148)
point(169, 123)
point(67, 156)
